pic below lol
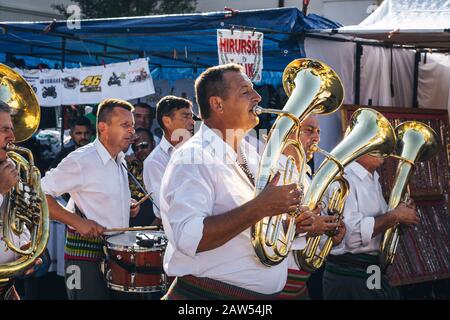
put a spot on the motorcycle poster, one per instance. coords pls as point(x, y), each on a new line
point(115, 80)
point(91, 79)
point(139, 80)
point(49, 93)
point(70, 89)
point(90, 85)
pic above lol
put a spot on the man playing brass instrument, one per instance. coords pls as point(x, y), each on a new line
point(8, 179)
point(207, 198)
point(347, 269)
point(307, 224)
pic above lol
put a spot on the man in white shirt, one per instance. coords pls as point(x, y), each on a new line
point(95, 176)
point(174, 116)
point(8, 179)
point(296, 285)
point(207, 198)
point(366, 218)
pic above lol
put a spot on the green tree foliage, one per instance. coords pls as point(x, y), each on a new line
point(128, 8)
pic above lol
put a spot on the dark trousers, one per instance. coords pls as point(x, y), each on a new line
point(346, 278)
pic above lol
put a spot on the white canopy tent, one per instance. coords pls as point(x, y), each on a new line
point(417, 23)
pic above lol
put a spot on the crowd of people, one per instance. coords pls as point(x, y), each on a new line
point(201, 188)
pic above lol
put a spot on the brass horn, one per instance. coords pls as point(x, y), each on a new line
point(416, 142)
point(312, 87)
point(25, 204)
point(368, 132)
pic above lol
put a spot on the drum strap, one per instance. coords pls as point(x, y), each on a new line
point(132, 268)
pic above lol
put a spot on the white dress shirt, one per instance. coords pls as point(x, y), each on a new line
point(97, 183)
point(6, 254)
point(203, 179)
point(365, 202)
point(154, 167)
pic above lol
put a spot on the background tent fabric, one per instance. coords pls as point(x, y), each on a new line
point(169, 41)
point(386, 77)
point(434, 81)
point(420, 23)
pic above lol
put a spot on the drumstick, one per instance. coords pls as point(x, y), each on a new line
point(131, 229)
point(141, 200)
point(140, 186)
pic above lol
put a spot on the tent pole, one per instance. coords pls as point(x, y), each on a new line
point(63, 65)
point(416, 79)
point(359, 52)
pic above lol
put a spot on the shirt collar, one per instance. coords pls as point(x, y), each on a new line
point(219, 148)
point(166, 146)
point(308, 169)
point(362, 172)
point(105, 156)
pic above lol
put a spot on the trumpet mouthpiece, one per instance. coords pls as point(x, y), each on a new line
point(257, 110)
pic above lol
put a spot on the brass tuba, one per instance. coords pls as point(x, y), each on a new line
point(416, 142)
point(312, 87)
point(25, 205)
point(368, 132)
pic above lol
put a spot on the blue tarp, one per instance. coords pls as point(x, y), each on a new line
point(169, 41)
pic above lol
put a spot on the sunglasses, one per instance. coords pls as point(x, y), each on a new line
point(141, 145)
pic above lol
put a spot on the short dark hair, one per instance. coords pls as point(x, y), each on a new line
point(4, 107)
point(140, 130)
point(211, 83)
point(80, 121)
point(107, 106)
point(146, 106)
point(167, 105)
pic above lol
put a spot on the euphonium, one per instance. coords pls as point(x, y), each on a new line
point(312, 87)
point(25, 205)
point(416, 142)
point(368, 132)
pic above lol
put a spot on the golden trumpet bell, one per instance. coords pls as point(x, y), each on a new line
point(416, 142)
point(25, 109)
point(25, 206)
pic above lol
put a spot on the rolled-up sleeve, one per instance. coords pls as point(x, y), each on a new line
point(189, 196)
point(65, 178)
point(359, 228)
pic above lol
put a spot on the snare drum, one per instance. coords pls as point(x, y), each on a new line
point(134, 262)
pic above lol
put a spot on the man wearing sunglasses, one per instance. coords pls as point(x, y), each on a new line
point(141, 147)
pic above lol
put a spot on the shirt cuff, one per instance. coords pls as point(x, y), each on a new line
point(190, 236)
point(367, 225)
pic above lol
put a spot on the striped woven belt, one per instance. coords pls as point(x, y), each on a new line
point(83, 248)
point(295, 288)
point(194, 288)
